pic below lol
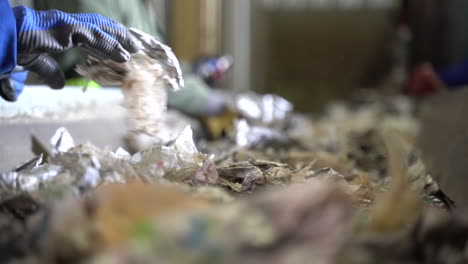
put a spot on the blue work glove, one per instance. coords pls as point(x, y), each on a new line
point(12, 85)
point(40, 32)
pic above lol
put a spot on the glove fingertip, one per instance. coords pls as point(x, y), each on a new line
point(54, 78)
point(58, 82)
point(132, 44)
point(48, 71)
point(10, 89)
point(120, 55)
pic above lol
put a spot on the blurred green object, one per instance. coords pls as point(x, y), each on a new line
point(82, 82)
point(143, 231)
point(196, 99)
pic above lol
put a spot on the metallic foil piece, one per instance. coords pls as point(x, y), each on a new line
point(256, 136)
point(264, 110)
point(156, 50)
point(15, 182)
point(87, 167)
point(34, 163)
point(27, 177)
point(82, 167)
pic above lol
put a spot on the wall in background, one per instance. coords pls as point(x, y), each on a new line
point(314, 55)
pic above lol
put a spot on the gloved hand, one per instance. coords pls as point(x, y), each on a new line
point(40, 32)
point(12, 85)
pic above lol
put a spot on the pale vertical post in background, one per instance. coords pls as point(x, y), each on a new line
point(160, 15)
point(211, 25)
point(237, 39)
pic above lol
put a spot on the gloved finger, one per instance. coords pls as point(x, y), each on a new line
point(48, 71)
point(11, 88)
point(113, 28)
point(118, 56)
point(123, 36)
point(100, 43)
point(131, 43)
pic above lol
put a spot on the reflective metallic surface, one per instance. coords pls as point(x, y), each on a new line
point(164, 55)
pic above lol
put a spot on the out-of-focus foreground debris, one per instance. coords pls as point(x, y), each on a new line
point(346, 187)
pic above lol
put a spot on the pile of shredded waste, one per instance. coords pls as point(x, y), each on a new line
point(345, 187)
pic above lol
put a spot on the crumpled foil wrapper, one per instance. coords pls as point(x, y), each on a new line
point(28, 180)
point(258, 136)
point(156, 50)
point(264, 110)
point(85, 166)
point(34, 174)
point(264, 120)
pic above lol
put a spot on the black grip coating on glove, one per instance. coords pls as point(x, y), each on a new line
point(47, 70)
point(62, 38)
point(6, 90)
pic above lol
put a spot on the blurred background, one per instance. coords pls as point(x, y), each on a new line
point(309, 51)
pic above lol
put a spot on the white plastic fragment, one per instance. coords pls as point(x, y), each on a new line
point(61, 141)
point(121, 153)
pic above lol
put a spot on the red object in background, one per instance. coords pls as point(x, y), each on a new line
point(424, 81)
point(213, 69)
